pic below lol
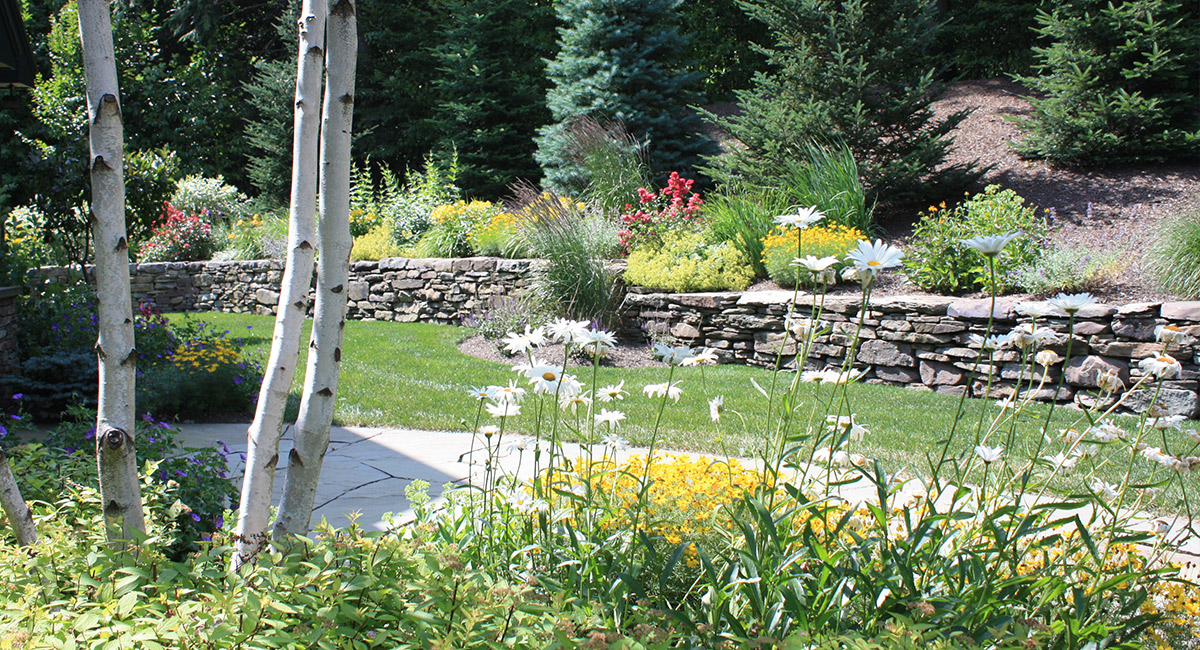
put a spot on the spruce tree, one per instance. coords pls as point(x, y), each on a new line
point(618, 61)
point(859, 71)
point(491, 90)
point(1120, 83)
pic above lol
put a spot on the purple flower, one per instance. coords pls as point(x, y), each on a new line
point(181, 474)
point(195, 517)
point(18, 395)
point(68, 450)
point(237, 380)
point(3, 431)
point(219, 521)
point(15, 416)
point(91, 433)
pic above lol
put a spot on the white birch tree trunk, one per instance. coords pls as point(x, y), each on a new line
point(120, 490)
point(333, 273)
point(262, 440)
point(15, 508)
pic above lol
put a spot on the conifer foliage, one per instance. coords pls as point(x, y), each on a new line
point(618, 61)
point(491, 89)
point(1121, 82)
point(859, 71)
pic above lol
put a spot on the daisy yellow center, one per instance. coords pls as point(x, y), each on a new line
point(549, 376)
point(874, 263)
point(1163, 360)
point(1171, 328)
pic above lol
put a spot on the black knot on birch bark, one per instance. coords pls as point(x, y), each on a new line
point(113, 509)
point(114, 438)
point(342, 8)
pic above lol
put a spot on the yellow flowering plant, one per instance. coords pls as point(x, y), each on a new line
point(782, 246)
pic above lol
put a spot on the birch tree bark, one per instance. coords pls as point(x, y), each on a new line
point(262, 439)
point(120, 490)
point(333, 272)
point(15, 508)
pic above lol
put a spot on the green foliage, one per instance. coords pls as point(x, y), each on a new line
point(410, 208)
point(936, 259)
point(196, 479)
point(687, 263)
point(254, 237)
point(1118, 83)
point(150, 178)
point(491, 90)
point(1070, 269)
point(575, 247)
point(743, 217)
point(270, 95)
point(451, 226)
point(856, 70)
point(25, 244)
point(222, 202)
point(611, 160)
point(618, 59)
point(377, 244)
point(56, 380)
point(505, 314)
point(1173, 258)
point(203, 374)
point(827, 177)
point(722, 46)
point(983, 39)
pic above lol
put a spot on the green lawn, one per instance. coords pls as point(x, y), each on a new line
point(411, 375)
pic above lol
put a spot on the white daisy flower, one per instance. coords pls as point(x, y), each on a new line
point(510, 393)
point(597, 340)
point(822, 455)
point(705, 357)
point(1109, 382)
point(802, 328)
point(1194, 435)
point(814, 264)
point(1062, 461)
point(660, 390)
point(612, 393)
point(993, 342)
point(672, 356)
point(1072, 303)
point(1047, 358)
point(715, 406)
point(1167, 422)
point(858, 432)
point(519, 343)
point(841, 458)
point(611, 418)
point(614, 442)
point(1035, 309)
point(989, 454)
point(1164, 366)
point(802, 219)
point(573, 402)
point(478, 392)
point(990, 245)
point(1173, 335)
point(489, 430)
point(874, 257)
point(565, 330)
point(503, 409)
point(1106, 491)
point(1106, 432)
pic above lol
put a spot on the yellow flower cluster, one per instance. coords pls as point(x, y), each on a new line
point(253, 222)
point(819, 241)
point(206, 356)
point(462, 211)
point(363, 222)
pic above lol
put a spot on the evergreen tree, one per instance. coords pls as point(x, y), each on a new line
point(491, 90)
point(855, 70)
point(1121, 82)
point(618, 60)
point(269, 129)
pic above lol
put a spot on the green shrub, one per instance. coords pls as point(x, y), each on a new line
point(258, 236)
point(25, 243)
point(149, 181)
point(744, 216)
point(688, 263)
point(936, 259)
point(986, 39)
point(1174, 255)
point(1069, 269)
point(205, 374)
point(451, 226)
point(1118, 83)
point(198, 194)
point(860, 71)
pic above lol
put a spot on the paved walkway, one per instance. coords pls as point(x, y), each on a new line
point(367, 470)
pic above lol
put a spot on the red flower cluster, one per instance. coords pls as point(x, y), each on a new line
point(179, 238)
point(659, 214)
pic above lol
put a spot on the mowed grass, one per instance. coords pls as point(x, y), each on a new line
point(413, 376)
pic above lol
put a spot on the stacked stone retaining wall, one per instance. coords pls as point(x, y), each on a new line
point(922, 342)
point(397, 289)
